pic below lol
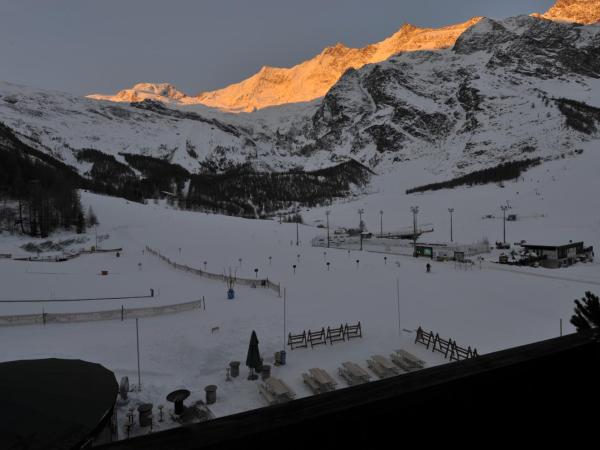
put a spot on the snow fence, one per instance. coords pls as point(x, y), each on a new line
point(260, 282)
point(93, 316)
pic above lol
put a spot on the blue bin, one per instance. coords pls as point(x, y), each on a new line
point(282, 357)
point(230, 294)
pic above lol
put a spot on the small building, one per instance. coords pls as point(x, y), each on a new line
point(451, 251)
point(554, 256)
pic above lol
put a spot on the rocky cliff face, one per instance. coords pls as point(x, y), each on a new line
point(495, 96)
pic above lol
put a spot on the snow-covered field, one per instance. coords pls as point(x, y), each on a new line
point(489, 308)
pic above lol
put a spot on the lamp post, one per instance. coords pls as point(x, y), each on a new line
point(297, 231)
point(451, 210)
point(360, 222)
point(504, 208)
point(415, 211)
point(327, 214)
point(381, 223)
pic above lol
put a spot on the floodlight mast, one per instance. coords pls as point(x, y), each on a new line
point(327, 214)
point(451, 211)
point(360, 222)
point(297, 230)
point(415, 211)
point(503, 208)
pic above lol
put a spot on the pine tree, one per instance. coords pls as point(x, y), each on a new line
point(80, 224)
point(92, 220)
point(587, 313)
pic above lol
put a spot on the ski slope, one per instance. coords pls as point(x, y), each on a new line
point(488, 308)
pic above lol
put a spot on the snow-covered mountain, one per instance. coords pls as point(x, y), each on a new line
point(304, 82)
point(313, 78)
point(519, 88)
point(508, 89)
point(162, 92)
point(579, 11)
point(61, 124)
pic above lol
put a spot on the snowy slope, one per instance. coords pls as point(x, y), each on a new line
point(519, 88)
point(60, 124)
point(487, 308)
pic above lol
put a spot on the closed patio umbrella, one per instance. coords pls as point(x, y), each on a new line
point(253, 360)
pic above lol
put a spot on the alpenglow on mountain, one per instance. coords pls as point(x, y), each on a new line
point(519, 90)
point(579, 11)
point(306, 81)
point(312, 79)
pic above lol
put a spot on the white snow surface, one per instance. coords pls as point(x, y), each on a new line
point(490, 308)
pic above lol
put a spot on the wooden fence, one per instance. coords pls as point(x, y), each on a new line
point(448, 347)
point(343, 333)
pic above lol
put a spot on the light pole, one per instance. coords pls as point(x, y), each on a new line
point(451, 210)
point(360, 222)
point(297, 231)
point(415, 211)
point(381, 223)
point(504, 208)
point(327, 214)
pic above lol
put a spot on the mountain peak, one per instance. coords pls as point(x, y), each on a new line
point(579, 11)
point(164, 92)
point(312, 79)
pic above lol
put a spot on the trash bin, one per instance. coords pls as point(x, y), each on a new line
point(235, 368)
point(211, 394)
point(230, 294)
point(282, 357)
point(145, 414)
point(265, 372)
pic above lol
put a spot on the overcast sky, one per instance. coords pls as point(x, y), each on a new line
point(89, 46)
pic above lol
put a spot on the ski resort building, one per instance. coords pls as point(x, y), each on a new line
point(451, 251)
point(555, 256)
